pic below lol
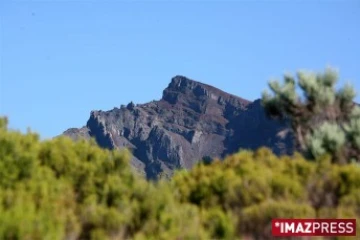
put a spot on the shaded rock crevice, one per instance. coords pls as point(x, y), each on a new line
point(97, 130)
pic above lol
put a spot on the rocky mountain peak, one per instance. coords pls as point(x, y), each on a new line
point(184, 91)
point(183, 84)
point(193, 120)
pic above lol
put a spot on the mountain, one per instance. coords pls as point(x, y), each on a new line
point(192, 121)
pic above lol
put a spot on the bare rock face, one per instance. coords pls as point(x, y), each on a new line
point(192, 121)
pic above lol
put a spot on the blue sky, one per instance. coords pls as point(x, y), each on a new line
point(61, 59)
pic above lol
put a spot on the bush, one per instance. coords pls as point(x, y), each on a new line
point(323, 120)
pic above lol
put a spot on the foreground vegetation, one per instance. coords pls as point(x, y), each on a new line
point(60, 189)
point(323, 119)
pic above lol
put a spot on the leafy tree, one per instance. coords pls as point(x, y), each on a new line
point(323, 120)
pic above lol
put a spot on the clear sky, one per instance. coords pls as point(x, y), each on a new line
point(61, 59)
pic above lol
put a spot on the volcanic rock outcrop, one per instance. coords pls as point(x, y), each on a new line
point(192, 121)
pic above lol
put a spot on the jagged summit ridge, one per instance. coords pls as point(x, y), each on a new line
point(191, 121)
point(188, 89)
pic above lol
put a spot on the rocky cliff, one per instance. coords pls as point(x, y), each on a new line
point(192, 121)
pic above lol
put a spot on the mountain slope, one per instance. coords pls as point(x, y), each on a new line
point(191, 121)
